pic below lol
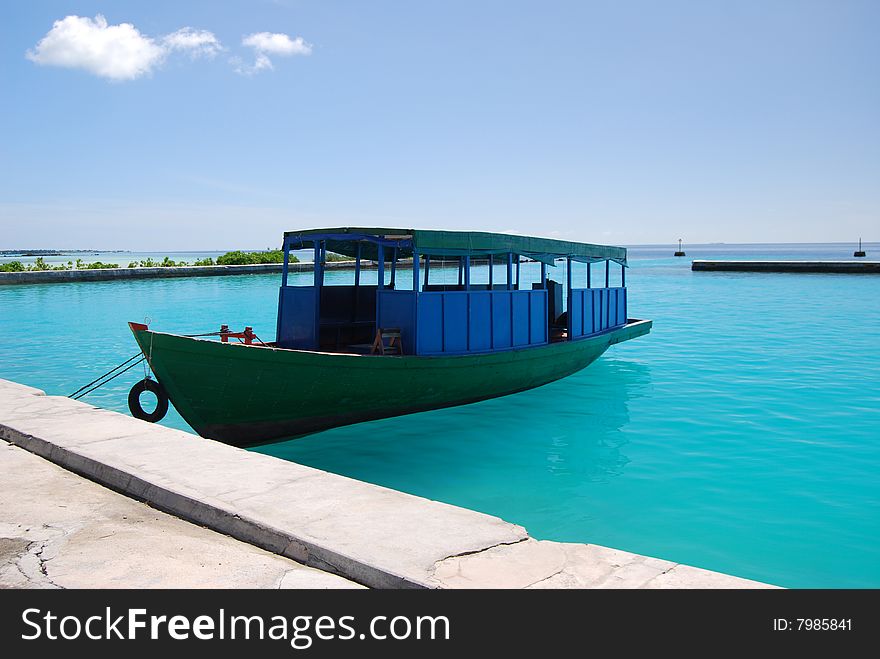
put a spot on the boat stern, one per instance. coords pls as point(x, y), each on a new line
point(633, 329)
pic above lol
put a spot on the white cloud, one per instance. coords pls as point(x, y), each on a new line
point(121, 52)
point(265, 44)
point(277, 44)
point(198, 43)
point(117, 52)
point(262, 63)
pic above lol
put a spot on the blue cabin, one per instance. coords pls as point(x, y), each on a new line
point(445, 293)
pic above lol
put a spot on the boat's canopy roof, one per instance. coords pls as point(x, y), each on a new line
point(451, 243)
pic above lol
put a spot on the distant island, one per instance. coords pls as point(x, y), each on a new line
point(56, 252)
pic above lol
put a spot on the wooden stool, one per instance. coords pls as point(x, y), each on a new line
point(394, 346)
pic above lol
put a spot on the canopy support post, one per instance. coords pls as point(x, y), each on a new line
point(319, 275)
point(569, 296)
point(357, 283)
point(415, 271)
point(380, 248)
point(509, 271)
point(284, 268)
point(393, 266)
point(319, 282)
point(607, 272)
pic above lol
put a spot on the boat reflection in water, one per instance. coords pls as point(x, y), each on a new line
point(524, 457)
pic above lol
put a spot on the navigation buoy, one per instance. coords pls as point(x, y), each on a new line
point(134, 400)
point(859, 252)
point(680, 252)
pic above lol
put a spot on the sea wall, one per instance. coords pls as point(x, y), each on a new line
point(846, 267)
point(117, 274)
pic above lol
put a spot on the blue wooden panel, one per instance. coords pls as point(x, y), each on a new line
point(612, 307)
point(520, 305)
point(501, 333)
point(603, 309)
point(538, 316)
point(455, 321)
point(430, 330)
point(480, 322)
point(597, 309)
point(575, 310)
point(397, 309)
point(297, 326)
point(588, 312)
point(605, 297)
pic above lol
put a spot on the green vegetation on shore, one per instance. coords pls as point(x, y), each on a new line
point(230, 258)
point(251, 258)
point(40, 265)
point(164, 263)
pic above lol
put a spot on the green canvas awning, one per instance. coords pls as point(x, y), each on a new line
point(452, 243)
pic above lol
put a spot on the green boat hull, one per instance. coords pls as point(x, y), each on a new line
point(247, 395)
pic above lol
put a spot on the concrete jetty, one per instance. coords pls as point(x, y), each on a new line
point(365, 533)
point(847, 267)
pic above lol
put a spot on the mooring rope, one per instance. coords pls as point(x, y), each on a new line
point(101, 381)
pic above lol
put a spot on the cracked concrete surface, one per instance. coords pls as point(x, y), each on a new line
point(58, 530)
point(545, 564)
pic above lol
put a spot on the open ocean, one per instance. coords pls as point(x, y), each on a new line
point(742, 435)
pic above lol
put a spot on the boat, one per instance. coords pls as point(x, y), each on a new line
point(345, 353)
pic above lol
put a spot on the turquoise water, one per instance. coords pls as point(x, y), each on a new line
point(741, 435)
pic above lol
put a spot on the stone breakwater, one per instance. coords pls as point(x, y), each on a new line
point(120, 274)
point(844, 267)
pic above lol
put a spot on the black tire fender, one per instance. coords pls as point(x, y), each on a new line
point(134, 400)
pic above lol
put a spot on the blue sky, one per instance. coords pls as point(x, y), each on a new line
point(615, 122)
